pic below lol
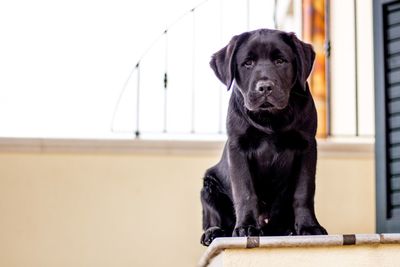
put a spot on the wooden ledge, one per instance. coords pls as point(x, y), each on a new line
point(220, 245)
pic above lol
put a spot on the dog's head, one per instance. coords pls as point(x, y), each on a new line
point(265, 65)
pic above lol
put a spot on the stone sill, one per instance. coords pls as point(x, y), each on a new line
point(331, 250)
point(331, 147)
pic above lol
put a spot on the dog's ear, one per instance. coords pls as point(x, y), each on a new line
point(223, 62)
point(305, 57)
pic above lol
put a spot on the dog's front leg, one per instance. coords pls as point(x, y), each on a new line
point(244, 196)
point(306, 222)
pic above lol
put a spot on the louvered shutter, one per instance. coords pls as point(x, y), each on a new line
point(387, 95)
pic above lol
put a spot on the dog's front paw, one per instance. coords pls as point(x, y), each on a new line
point(248, 230)
point(310, 229)
point(210, 234)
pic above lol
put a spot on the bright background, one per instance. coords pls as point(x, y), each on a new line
point(64, 63)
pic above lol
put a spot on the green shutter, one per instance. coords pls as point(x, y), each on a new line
point(387, 110)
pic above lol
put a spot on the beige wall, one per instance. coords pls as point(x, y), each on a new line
point(138, 209)
point(345, 198)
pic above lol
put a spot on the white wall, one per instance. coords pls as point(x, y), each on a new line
point(343, 67)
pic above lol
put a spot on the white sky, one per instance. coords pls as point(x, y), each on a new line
point(60, 58)
point(64, 63)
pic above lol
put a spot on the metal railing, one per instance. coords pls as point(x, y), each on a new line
point(166, 82)
point(192, 85)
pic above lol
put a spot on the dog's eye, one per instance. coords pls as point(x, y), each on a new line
point(279, 61)
point(249, 63)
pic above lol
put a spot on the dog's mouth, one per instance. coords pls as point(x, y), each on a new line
point(266, 105)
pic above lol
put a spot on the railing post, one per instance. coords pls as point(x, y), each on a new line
point(193, 71)
point(166, 82)
point(137, 132)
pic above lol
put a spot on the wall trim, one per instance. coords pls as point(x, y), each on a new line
point(102, 146)
point(331, 147)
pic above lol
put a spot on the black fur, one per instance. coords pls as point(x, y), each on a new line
point(264, 183)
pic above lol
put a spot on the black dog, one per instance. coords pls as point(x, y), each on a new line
point(265, 181)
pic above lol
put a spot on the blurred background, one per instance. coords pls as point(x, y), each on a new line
point(110, 115)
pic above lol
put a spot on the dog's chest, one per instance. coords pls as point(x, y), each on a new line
point(268, 160)
point(267, 155)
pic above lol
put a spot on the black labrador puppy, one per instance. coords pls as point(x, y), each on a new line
point(264, 183)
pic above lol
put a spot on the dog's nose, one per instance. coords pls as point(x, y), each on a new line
point(265, 86)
